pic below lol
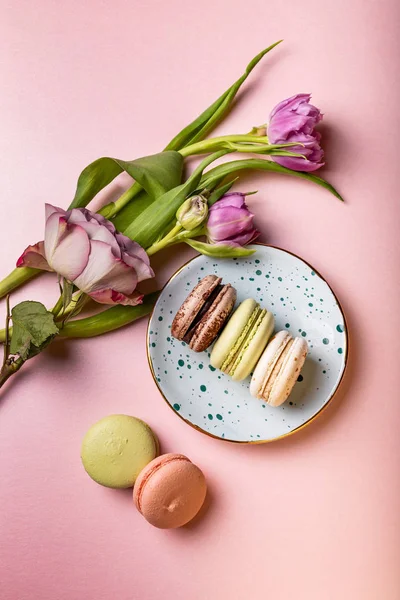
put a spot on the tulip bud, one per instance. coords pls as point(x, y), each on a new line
point(192, 213)
point(230, 222)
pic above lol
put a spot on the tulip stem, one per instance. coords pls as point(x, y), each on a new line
point(213, 144)
point(165, 241)
point(110, 210)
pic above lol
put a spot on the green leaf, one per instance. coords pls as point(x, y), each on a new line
point(201, 126)
point(109, 320)
point(33, 329)
point(156, 174)
point(154, 220)
point(220, 191)
point(132, 210)
point(217, 174)
point(217, 250)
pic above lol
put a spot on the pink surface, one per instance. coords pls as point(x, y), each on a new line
point(314, 517)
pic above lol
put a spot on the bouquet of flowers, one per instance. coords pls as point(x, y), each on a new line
point(105, 255)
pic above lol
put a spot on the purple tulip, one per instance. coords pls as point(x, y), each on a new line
point(85, 248)
point(230, 222)
point(293, 120)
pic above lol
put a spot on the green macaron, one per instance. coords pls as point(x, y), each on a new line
point(116, 448)
point(243, 340)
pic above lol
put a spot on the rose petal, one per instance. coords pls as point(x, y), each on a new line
point(110, 296)
point(104, 270)
point(33, 256)
point(132, 248)
point(143, 270)
point(102, 221)
point(102, 234)
point(50, 209)
point(77, 215)
point(71, 254)
point(56, 227)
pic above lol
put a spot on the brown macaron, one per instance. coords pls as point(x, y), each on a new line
point(203, 313)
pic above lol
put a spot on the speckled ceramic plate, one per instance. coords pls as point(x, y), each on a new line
point(209, 400)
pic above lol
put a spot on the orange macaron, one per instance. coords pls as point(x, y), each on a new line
point(170, 491)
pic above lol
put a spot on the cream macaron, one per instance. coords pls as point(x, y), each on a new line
point(278, 368)
point(243, 339)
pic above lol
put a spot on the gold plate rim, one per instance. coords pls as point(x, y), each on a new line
point(293, 431)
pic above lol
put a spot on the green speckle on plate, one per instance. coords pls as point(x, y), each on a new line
point(219, 417)
point(203, 388)
point(325, 341)
point(177, 406)
point(181, 362)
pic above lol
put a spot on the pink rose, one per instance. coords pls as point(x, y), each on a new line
point(85, 248)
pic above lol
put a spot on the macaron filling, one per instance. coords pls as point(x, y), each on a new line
point(280, 363)
point(202, 312)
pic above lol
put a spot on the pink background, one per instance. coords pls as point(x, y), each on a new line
point(313, 517)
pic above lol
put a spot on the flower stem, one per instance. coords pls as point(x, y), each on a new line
point(110, 210)
point(58, 306)
point(16, 278)
point(216, 143)
point(10, 365)
point(165, 241)
point(108, 320)
point(7, 331)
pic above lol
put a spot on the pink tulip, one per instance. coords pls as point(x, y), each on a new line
point(293, 120)
point(230, 222)
point(85, 248)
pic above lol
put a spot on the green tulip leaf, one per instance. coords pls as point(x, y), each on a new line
point(200, 127)
point(156, 174)
point(220, 191)
point(218, 174)
point(132, 210)
point(154, 220)
point(218, 250)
